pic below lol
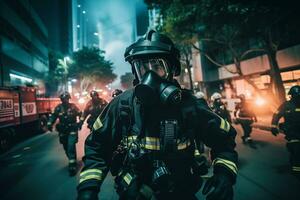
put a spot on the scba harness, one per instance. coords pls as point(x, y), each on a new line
point(141, 163)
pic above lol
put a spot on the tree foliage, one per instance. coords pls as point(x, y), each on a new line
point(231, 30)
point(127, 80)
point(91, 68)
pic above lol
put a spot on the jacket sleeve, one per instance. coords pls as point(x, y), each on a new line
point(277, 115)
point(98, 149)
point(219, 135)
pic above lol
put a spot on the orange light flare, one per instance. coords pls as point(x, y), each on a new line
point(260, 101)
point(81, 100)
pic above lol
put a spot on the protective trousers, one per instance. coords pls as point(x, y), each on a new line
point(293, 147)
point(69, 140)
point(246, 126)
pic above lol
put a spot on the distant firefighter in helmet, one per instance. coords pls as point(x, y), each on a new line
point(290, 111)
point(219, 107)
point(92, 109)
point(116, 92)
point(67, 128)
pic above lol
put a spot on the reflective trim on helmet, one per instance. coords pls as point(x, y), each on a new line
point(297, 110)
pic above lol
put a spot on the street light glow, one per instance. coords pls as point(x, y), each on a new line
point(96, 34)
point(20, 77)
point(78, 26)
point(83, 12)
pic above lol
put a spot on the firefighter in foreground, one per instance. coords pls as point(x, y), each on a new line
point(219, 107)
point(67, 128)
point(147, 137)
point(93, 109)
point(290, 111)
point(244, 116)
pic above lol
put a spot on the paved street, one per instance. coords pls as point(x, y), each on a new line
point(37, 169)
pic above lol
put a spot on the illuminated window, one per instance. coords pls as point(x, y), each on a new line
point(296, 74)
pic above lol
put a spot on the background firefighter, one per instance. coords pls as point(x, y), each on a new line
point(290, 111)
point(245, 116)
point(92, 109)
point(67, 128)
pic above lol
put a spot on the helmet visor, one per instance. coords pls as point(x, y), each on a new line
point(157, 65)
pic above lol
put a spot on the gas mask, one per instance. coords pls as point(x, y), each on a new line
point(154, 85)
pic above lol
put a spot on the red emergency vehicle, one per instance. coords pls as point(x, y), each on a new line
point(21, 112)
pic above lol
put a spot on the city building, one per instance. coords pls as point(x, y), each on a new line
point(23, 45)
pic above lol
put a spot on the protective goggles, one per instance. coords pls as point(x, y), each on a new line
point(157, 65)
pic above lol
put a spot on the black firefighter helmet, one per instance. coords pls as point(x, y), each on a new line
point(116, 92)
point(94, 94)
point(65, 95)
point(294, 91)
point(157, 47)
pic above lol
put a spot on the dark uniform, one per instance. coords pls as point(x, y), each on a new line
point(220, 108)
point(150, 144)
point(67, 128)
point(92, 109)
point(290, 111)
point(245, 116)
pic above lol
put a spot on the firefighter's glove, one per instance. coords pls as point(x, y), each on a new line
point(219, 187)
point(88, 194)
point(274, 131)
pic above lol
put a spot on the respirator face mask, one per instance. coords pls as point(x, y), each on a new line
point(154, 86)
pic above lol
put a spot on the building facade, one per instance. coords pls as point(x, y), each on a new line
point(23, 45)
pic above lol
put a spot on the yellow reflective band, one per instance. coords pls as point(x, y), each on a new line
point(93, 176)
point(73, 133)
point(49, 123)
point(72, 161)
point(293, 141)
point(98, 124)
point(297, 109)
point(152, 139)
point(94, 171)
point(127, 178)
point(224, 125)
point(229, 164)
point(82, 118)
point(274, 126)
point(296, 169)
point(152, 147)
point(228, 126)
point(197, 153)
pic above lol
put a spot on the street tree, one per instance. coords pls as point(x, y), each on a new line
point(56, 76)
point(224, 26)
point(91, 68)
